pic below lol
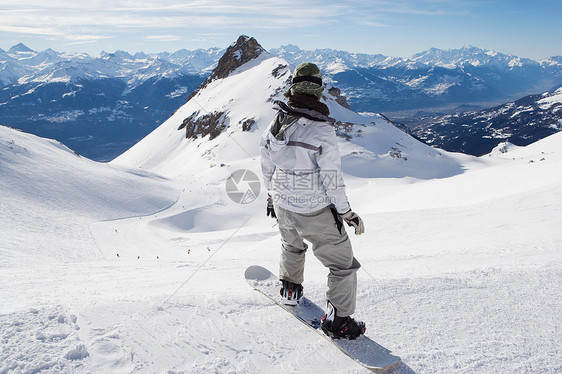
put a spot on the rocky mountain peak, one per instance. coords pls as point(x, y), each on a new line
point(213, 123)
point(243, 50)
point(237, 54)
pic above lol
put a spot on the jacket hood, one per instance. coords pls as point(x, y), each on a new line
point(303, 112)
point(287, 117)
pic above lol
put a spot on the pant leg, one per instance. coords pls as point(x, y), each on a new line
point(293, 248)
point(331, 245)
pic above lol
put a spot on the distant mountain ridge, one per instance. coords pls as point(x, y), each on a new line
point(432, 78)
point(520, 122)
point(49, 66)
point(330, 60)
point(101, 106)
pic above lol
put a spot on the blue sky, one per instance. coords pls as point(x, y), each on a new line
point(393, 28)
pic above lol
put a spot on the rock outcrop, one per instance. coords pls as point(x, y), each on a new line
point(242, 51)
point(196, 125)
point(200, 125)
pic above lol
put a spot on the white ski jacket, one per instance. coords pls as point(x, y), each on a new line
point(301, 163)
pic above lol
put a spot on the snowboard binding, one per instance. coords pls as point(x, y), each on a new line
point(337, 327)
point(291, 293)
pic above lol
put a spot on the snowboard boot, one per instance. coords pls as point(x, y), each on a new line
point(291, 293)
point(337, 327)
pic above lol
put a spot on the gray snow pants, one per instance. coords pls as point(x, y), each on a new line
point(330, 244)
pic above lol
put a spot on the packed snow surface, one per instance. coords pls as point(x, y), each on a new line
point(138, 265)
point(104, 270)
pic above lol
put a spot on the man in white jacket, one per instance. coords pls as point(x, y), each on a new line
point(301, 167)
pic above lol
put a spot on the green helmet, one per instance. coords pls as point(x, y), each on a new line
point(307, 80)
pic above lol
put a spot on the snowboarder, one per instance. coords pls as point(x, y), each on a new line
point(301, 167)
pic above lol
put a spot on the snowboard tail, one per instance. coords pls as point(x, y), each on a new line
point(363, 350)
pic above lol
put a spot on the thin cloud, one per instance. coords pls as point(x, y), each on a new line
point(51, 33)
point(372, 23)
point(162, 38)
point(167, 14)
point(164, 20)
point(31, 30)
point(79, 38)
point(90, 41)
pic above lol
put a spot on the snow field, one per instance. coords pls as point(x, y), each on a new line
point(49, 338)
point(461, 256)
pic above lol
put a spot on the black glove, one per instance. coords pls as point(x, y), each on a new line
point(270, 210)
point(353, 220)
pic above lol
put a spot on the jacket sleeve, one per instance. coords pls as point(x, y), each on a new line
point(329, 162)
point(267, 166)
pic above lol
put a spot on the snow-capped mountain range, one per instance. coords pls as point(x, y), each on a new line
point(27, 66)
point(222, 122)
point(137, 265)
point(433, 78)
point(334, 61)
point(101, 106)
point(477, 132)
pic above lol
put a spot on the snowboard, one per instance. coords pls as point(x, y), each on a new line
point(363, 350)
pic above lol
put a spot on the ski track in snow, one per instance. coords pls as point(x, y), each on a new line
point(484, 321)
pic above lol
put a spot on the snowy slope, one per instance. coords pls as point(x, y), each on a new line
point(461, 261)
point(51, 195)
point(461, 275)
point(371, 146)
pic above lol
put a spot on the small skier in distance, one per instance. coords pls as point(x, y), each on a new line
point(301, 167)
